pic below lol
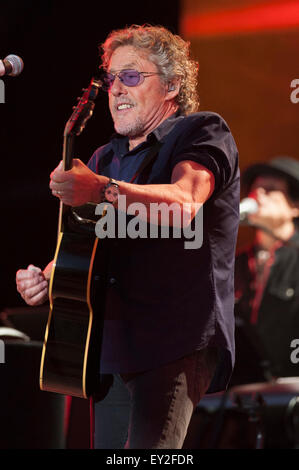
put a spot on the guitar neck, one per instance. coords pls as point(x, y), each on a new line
point(74, 126)
point(67, 159)
point(67, 153)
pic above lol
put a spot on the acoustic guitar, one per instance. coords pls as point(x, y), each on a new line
point(71, 350)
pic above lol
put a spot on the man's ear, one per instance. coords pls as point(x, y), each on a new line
point(173, 89)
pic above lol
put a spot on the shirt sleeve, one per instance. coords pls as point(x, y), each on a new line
point(206, 139)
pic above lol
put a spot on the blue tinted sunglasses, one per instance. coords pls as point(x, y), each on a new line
point(127, 77)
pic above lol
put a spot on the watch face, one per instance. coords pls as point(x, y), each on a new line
point(111, 193)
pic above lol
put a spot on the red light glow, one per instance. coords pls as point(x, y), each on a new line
point(264, 17)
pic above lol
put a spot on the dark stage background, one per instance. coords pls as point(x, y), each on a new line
point(58, 42)
point(247, 52)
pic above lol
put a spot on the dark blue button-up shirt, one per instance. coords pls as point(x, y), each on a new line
point(167, 301)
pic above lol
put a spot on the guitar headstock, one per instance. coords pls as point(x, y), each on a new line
point(83, 110)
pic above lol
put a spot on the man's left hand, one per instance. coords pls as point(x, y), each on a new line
point(76, 186)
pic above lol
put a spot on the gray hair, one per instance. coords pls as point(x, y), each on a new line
point(169, 52)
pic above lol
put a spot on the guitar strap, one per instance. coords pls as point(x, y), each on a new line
point(147, 164)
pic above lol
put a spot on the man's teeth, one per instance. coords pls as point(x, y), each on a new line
point(124, 106)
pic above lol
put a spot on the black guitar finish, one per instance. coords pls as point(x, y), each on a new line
point(71, 350)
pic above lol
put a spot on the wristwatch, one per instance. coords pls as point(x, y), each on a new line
point(111, 191)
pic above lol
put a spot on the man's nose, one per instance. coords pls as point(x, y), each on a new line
point(117, 87)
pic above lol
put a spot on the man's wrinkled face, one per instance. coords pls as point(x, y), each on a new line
point(274, 204)
point(136, 110)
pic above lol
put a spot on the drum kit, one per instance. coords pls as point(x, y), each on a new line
point(261, 415)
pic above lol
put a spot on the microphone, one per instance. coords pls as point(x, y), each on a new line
point(12, 65)
point(248, 206)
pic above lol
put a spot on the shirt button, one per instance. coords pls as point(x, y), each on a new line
point(112, 281)
point(290, 292)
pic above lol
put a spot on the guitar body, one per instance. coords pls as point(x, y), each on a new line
point(71, 353)
point(70, 362)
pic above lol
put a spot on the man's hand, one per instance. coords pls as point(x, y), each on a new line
point(32, 285)
point(275, 210)
point(78, 185)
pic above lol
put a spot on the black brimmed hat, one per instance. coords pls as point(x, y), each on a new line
point(286, 167)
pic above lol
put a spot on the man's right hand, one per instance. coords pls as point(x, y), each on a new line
point(32, 285)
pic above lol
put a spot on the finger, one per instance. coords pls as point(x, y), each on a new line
point(57, 193)
point(21, 274)
point(31, 267)
point(77, 162)
point(26, 274)
point(56, 186)
point(26, 286)
point(31, 292)
point(33, 275)
point(59, 175)
point(38, 298)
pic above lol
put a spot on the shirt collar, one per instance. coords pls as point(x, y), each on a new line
point(120, 143)
point(166, 126)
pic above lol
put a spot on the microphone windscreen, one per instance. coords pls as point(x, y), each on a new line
point(248, 206)
point(16, 63)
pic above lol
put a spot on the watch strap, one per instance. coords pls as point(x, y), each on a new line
point(111, 182)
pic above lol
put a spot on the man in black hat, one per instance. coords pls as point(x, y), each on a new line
point(267, 274)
